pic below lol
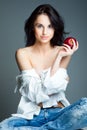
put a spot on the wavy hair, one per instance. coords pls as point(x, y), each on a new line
point(55, 19)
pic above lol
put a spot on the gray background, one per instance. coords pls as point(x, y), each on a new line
point(13, 14)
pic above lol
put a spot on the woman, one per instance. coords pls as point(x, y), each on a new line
point(43, 77)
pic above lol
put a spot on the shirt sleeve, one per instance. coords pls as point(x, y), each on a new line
point(56, 83)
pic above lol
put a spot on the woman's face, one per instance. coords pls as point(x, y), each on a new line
point(43, 29)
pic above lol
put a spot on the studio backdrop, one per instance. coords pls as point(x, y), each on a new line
point(13, 14)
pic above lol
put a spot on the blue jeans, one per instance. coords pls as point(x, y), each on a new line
point(69, 118)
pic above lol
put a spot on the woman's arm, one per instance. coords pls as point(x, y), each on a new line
point(68, 54)
point(63, 57)
point(28, 82)
point(65, 61)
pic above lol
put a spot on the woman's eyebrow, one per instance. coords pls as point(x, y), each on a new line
point(42, 24)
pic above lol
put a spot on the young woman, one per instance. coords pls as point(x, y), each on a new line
point(43, 77)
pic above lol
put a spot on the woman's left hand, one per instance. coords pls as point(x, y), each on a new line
point(66, 50)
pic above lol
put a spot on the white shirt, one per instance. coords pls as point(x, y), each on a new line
point(35, 89)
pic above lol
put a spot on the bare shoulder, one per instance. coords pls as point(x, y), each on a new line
point(20, 52)
point(22, 58)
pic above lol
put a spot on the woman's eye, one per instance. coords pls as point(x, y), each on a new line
point(50, 26)
point(39, 26)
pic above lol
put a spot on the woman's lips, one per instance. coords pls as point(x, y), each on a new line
point(44, 37)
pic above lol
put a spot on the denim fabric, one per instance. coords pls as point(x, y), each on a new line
point(69, 118)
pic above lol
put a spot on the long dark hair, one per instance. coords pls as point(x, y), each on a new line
point(55, 19)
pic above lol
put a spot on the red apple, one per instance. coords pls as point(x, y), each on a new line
point(69, 41)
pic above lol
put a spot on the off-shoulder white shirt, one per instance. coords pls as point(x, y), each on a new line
point(44, 88)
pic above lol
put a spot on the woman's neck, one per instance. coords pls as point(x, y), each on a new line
point(42, 47)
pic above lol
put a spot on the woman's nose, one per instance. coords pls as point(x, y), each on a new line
point(44, 31)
